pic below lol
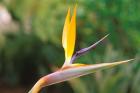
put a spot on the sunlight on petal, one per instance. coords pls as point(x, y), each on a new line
point(65, 31)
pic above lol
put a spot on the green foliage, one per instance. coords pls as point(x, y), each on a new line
point(35, 49)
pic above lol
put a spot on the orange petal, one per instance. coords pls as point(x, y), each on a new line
point(69, 36)
point(72, 35)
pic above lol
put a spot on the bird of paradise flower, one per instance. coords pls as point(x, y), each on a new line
point(70, 70)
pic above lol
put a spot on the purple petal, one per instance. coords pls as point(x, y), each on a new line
point(85, 50)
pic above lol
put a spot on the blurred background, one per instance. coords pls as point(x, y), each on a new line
point(30, 44)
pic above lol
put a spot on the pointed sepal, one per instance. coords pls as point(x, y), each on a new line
point(69, 36)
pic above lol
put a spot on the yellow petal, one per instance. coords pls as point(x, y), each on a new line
point(65, 30)
point(69, 36)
